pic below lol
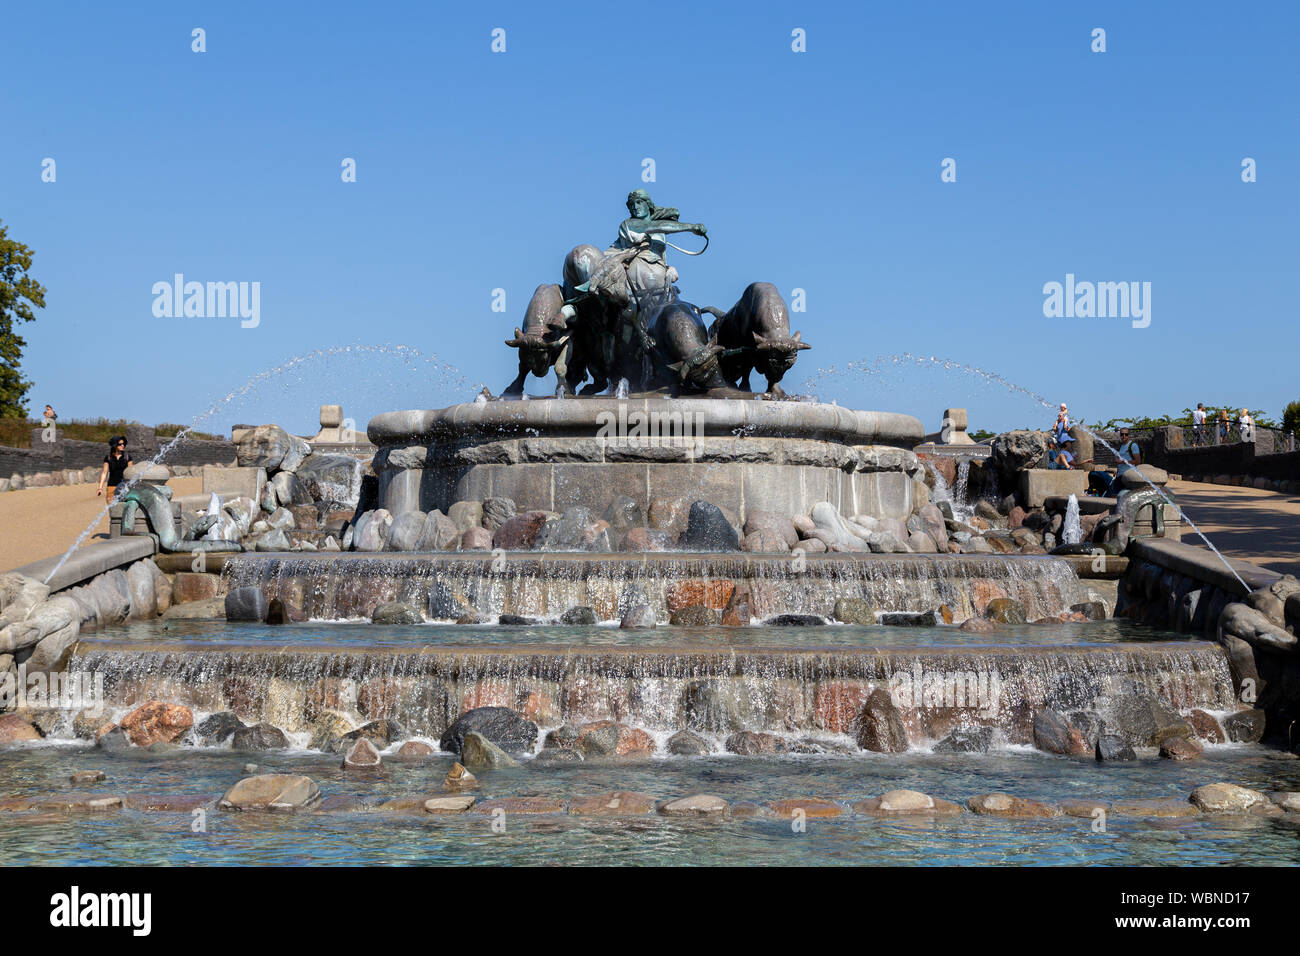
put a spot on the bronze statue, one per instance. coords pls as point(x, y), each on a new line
point(618, 315)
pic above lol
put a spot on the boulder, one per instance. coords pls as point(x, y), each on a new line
point(15, 730)
point(777, 526)
point(157, 722)
point(383, 733)
point(1180, 748)
point(289, 489)
point(395, 612)
point(272, 791)
point(500, 725)
point(362, 755)
point(966, 740)
point(694, 615)
point(404, 534)
point(854, 611)
point(698, 805)
point(217, 728)
point(479, 753)
point(476, 539)
point(1226, 798)
point(333, 478)
point(1005, 805)
point(372, 530)
point(1014, 451)
point(261, 736)
point(520, 532)
point(707, 529)
point(1245, 726)
point(246, 604)
point(880, 726)
point(608, 738)
point(438, 533)
point(1053, 734)
point(1113, 747)
point(1006, 610)
point(465, 515)
point(264, 446)
point(750, 744)
point(686, 744)
point(624, 513)
point(579, 616)
point(640, 615)
point(496, 512)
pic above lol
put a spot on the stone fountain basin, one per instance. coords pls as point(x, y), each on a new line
point(742, 455)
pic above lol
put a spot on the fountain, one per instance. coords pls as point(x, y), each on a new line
point(690, 583)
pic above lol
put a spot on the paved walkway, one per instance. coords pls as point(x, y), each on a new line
point(38, 523)
point(1262, 527)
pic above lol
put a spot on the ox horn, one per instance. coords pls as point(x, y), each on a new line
point(517, 341)
point(800, 343)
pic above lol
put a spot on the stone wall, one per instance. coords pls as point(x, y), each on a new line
point(68, 454)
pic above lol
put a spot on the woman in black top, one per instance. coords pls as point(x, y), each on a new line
point(115, 465)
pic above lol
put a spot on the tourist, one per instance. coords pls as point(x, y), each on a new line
point(50, 417)
point(115, 464)
point(1223, 426)
point(1198, 424)
point(1062, 438)
point(1246, 426)
point(1129, 455)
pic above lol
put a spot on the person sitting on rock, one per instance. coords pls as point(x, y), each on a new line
point(1129, 455)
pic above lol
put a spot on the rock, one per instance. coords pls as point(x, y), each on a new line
point(795, 620)
point(575, 530)
point(405, 531)
point(607, 738)
point(459, 779)
point(14, 729)
point(1005, 805)
point(262, 447)
point(978, 625)
point(639, 616)
point(1092, 610)
point(1145, 720)
point(694, 806)
point(668, 514)
point(707, 529)
point(777, 526)
point(1206, 726)
point(1114, 747)
point(520, 532)
point(555, 756)
point(479, 753)
point(905, 803)
point(413, 750)
point(333, 478)
point(113, 740)
point(1136, 478)
point(966, 740)
point(439, 533)
point(246, 604)
point(82, 777)
point(1225, 798)
point(500, 725)
point(328, 730)
point(750, 744)
point(686, 744)
point(188, 586)
point(910, 619)
point(918, 542)
point(362, 755)
point(273, 541)
point(740, 608)
point(449, 804)
point(213, 609)
point(216, 728)
point(646, 539)
point(288, 489)
point(620, 804)
point(1180, 748)
point(834, 530)
point(371, 531)
point(496, 512)
point(580, 616)
point(880, 726)
point(157, 722)
point(1006, 611)
point(695, 615)
point(272, 791)
point(395, 612)
point(1245, 726)
point(624, 513)
point(763, 542)
point(261, 736)
point(383, 733)
point(466, 515)
point(476, 539)
point(1053, 734)
point(1015, 451)
point(517, 620)
point(854, 611)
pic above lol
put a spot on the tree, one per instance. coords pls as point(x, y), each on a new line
point(1291, 418)
point(19, 292)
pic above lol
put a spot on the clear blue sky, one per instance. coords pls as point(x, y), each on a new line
point(818, 170)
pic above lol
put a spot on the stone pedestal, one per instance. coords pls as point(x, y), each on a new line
point(743, 456)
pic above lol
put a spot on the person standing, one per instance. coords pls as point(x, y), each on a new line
point(1223, 426)
point(115, 464)
point(1198, 424)
point(1246, 426)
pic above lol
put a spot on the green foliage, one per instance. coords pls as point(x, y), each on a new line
point(19, 292)
point(980, 434)
point(1260, 417)
point(17, 432)
point(1291, 418)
